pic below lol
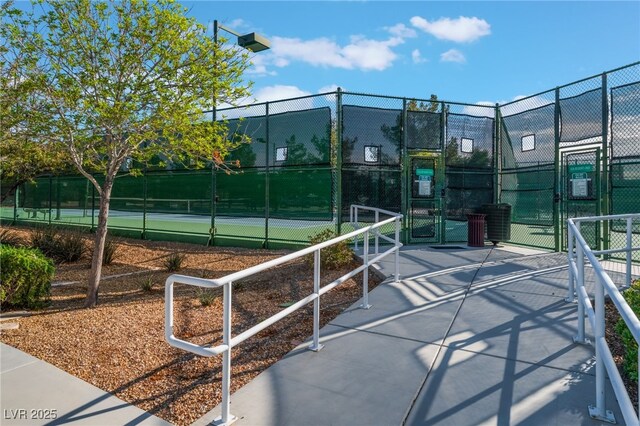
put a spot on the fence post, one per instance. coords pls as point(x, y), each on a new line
point(497, 154)
point(266, 179)
point(571, 291)
point(397, 254)
point(365, 274)
point(604, 185)
point(338, 165)
point(144, 203)
point(316, 346)
point(556, 170)
point(355, 215)
point(377, 232)
point(629, 252)
point(226, 417)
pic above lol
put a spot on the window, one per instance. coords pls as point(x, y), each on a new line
point(281, 153)
point(528, 143)
point(466, 145)
point(371, 154)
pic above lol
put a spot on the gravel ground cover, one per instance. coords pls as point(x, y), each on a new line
point(119, 346)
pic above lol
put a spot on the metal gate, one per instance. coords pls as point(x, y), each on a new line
point(424, 188)
point(581, 192)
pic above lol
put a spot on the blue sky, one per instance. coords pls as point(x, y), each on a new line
point(461, 51)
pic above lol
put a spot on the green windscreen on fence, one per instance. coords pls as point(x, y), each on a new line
point(625, 148)
point(371, 136)
point(300, 138)
point(469, 164)
point(424, 130)
point(371, 149)
point(581, 116)
point(527, 171)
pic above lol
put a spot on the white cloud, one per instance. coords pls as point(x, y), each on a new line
point(237, 23)
point(480, 110)
point(329, 88)
point(461, 30)
point(259, 66)
point(417, 57)
point(361, 53)
point(401, 30)
point(529, 103)
point(277, 92)
point(453, 55)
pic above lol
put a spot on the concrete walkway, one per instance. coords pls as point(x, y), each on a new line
point(468, 337)
point(33, 392)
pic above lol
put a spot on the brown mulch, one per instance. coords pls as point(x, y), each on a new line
point(119, 346)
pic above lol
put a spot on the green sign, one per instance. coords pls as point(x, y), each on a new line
point(580, 168)
point(424, 172)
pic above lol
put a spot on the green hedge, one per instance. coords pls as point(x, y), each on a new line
point(25, 277)
point(630, 365)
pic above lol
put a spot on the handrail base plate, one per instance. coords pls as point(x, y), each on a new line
point(608, 415)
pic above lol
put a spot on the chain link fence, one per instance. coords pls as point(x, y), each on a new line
point(567, 152)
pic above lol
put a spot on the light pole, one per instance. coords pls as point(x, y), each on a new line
point(255, 43)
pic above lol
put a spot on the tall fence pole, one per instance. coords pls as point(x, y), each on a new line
point(267, 190)
point(397, 254)
point(338, 164)
point(606, 200)
point(629, 252)
point(557, 193)
point(406, 167)
point(144, 203)
point(497, 156)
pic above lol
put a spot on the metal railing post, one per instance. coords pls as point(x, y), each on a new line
point(581, 313)
point(365, 274)
point(226, 417)
point(600, 412)
point(377, 219)
point(397, 254)
point(571, 291)
point(629, 251)
point(599, 334)
point(316, 346)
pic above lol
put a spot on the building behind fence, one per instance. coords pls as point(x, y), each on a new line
point(568, 152)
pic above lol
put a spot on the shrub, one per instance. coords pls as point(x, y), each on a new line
point(147, 283)
point(630, 362)
point(332, 257)
point(60, 246)
point(206, 297)
point(25, 278)
point(110, 249)
point(44, 239)
point(9, 238)
point(70, 248)
point(174, 261)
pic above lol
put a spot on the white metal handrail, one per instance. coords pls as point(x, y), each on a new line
point(353, 219)
point(226, 282)
point(604, 283)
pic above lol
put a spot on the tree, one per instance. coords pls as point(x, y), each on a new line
point(121, 81)
point(22, 155)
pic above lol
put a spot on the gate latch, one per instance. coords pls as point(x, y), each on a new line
point(557, 197)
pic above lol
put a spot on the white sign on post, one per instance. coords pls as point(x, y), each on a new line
point(580, 187)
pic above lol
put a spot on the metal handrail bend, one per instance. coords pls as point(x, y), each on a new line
point(226, 282)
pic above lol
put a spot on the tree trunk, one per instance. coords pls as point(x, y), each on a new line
point(98, 247)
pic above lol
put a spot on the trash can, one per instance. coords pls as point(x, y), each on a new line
point(475, 230)
point(498, 222)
